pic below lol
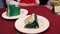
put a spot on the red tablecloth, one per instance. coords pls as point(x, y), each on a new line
point(7, 26)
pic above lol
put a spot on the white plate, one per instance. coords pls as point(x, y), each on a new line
point(23, 13)
point(42, 21)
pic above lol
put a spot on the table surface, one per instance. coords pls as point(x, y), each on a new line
point(7, 26)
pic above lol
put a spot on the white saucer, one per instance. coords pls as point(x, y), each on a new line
point(23, 13)
point(42, 21)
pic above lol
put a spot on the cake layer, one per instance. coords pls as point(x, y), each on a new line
point(29, 19)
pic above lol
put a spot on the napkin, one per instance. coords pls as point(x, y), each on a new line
point(57, 9)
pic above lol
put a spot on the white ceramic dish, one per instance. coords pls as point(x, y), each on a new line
point(42, 21)
point(24, 12)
